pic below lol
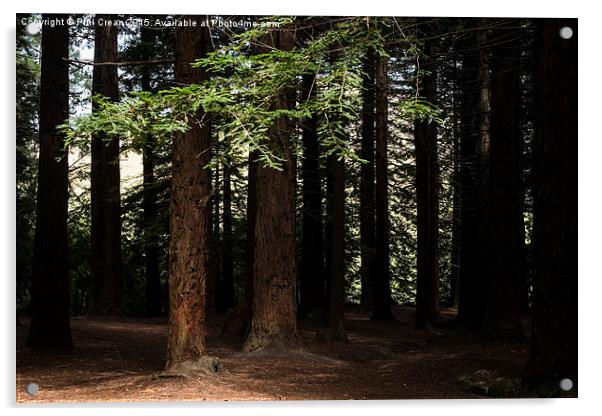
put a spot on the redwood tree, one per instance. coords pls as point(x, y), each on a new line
point(226, 299)
point(381, 281)
point(312, 278)
point(456, 202)
point(237, 320)
point(473, 145)
point(274, 321)
point(336, 238)
point(50, 278)
point(106, 285)
point(554, 327)
point(506, 264)
point(190, 244)
point(367, 191)
point(149, 198)
point(425, 136)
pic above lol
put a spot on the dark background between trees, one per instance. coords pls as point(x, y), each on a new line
point(466, 200)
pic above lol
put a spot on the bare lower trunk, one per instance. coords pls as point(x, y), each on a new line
point(336, 208)
point(151, 249)
point(227, 281)
point(236, 324)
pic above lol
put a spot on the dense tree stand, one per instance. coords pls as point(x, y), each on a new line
point(190, 246)
point(348, 207)
point(50, 280)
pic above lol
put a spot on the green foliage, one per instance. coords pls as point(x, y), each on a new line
point(419, 109)
point(242, 91)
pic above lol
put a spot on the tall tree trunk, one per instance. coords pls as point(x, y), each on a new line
point(312, 278)
point(336, 237)
point(149, 204)
point(554, 327)
point(212, 284)
point(151, 249)
point(483, 247)
point(236, 324)
point(190, 244)
point(427, 177)
point(381, 282)
point(502, 318)
point(50, 279)
point(274, 321)
point(227, 286)
point(469, 185)
point(106, 284)
point(457, 198)
point(367, 192)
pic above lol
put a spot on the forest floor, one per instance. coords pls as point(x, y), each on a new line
point(116, 360)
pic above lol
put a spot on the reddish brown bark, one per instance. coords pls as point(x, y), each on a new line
point(274, 321)
point(190, 244)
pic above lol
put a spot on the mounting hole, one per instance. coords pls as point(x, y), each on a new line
point(566, 384)
point(565, 32)
point(32, 389)
point(33, 28)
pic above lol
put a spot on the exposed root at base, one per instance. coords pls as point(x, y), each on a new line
point(204, 366)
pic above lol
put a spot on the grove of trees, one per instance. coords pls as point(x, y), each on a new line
point(298, 167)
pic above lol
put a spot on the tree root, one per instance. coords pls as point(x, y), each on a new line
point(204, 366)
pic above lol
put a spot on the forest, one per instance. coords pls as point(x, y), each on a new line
point(295, 207)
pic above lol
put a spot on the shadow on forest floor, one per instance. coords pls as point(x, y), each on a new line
point(115, 360)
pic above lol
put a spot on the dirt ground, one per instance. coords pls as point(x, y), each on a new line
point(116, 360)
